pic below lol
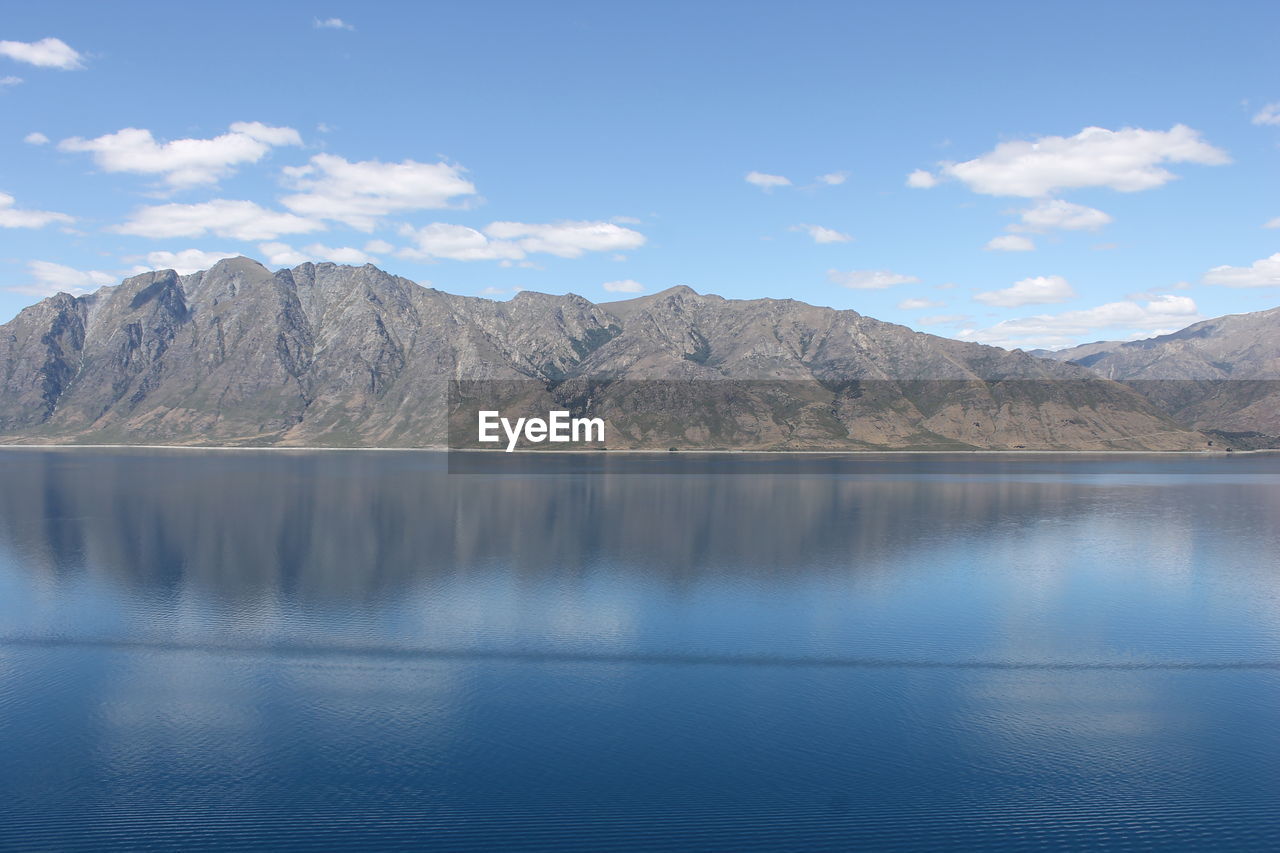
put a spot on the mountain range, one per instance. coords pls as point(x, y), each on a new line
point(1221, 376)
point(328, 355)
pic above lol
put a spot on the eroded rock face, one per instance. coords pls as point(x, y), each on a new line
point(39, 356)
point(345, 356)
point(1221, 375)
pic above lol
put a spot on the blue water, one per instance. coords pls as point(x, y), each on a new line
point(358, 650)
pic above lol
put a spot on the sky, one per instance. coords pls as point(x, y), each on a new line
point(1020, 174)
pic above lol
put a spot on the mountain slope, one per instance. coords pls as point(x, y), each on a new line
point(1220, 375)
point(344, 356)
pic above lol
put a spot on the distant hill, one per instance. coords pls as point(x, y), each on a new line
point(352, 356)
point(1220, 375)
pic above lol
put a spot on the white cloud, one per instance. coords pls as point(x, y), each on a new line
point(1126, 160)
point(339, 254)
point(46, 53)
point(624, 286)
point(14, 217)
point(869, 279)
point(1261, 273)
point(1158, 315)
point(567, 239)
point(239, 220)
point(456, 243)
point(919, 304)
point(184, 262)
point(183, 162)
point(1275, 223)
point(1056, 213)
point(36, 138)
point(284, 255)
point(1039, 290)
point(1010, 243)
point(358, 194)
point(512, 241)
point(767, 182)
point(331, 24)
point(9, 81)
point(49, 278)
point(834, 179)
point(379, 247)
point(266, 133)
point(1270, 114)
point(823, 235)
point(921, 180)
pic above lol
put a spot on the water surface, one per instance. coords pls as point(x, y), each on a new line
point(254, 649)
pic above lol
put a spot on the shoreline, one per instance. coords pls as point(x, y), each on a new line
point(666, 453)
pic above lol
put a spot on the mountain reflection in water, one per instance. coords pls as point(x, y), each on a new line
point(211, 650)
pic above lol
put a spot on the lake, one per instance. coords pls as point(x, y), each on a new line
point(240, 650)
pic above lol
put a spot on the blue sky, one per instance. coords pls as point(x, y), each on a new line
point(1016, 173)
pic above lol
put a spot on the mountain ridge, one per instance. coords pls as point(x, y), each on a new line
point(1220, 375)
point(323, 354)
